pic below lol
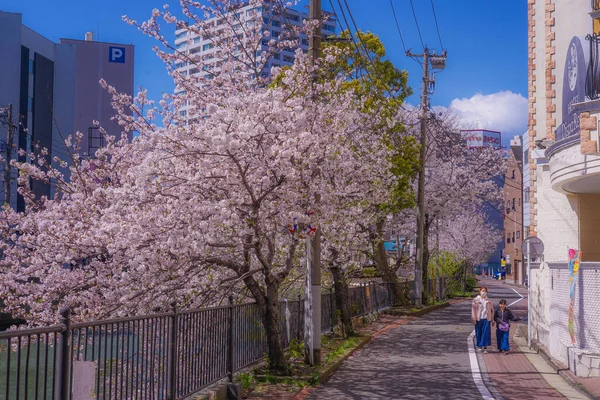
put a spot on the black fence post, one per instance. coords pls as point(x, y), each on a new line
point(233, 390)
point(172, 358)
point(230, 343)
point(64, 374)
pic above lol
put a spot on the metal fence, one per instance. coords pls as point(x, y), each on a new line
point(161, 356)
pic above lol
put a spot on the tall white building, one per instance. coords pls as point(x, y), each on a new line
point(189, 42)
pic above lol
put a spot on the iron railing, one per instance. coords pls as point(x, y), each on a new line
point(161, 356)
point(592, 79)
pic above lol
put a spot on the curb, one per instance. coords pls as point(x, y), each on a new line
point(561, 371)
point(419, 313)
point(486, 377)
point(329, 371)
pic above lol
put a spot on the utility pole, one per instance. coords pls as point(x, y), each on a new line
point(438, 62)
point(314, 49)
point(10, 137)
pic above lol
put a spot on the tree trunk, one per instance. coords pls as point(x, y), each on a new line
point(384, 269)
point(342, 295)
point(269, 310)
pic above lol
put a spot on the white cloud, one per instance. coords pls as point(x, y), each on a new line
point(504, 111)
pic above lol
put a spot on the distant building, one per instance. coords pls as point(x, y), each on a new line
point(54, 91)
point(513, 217)
point(482, 138)
point(272, 23)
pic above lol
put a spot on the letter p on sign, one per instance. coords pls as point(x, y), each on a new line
point(116, 54)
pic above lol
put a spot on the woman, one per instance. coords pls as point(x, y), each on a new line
point(502, 316)
point(482, 313)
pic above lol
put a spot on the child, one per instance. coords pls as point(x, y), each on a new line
point(502, 316)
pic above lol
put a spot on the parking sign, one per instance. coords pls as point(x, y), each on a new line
point(116, 54)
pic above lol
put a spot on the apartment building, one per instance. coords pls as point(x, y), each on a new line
point(189, 42)
point(564, 180)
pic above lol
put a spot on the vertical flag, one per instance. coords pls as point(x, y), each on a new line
point(574, 259)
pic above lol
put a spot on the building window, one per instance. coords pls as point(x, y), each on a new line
point(30, 104)
point(518, 234)
point(31, 67)
point(508, 238)
point(526, 195)
point(181, 34)
point(513, 204)
point(513, 174)
point(207, 46)
point(513, 237)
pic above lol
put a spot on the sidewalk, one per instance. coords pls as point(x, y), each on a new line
point(524, 371)
point(553, 366)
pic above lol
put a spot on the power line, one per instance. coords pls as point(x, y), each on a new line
point(417, 23)
point(398, 25)
point(357, 33)
point(436, 24)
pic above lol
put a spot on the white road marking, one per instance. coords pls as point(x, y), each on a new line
point(485, 393)
point(516, 301)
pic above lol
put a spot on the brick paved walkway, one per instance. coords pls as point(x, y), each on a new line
point(514, 376)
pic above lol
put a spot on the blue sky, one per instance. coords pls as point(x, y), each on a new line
point(485, 78)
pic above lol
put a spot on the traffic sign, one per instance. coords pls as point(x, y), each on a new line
point(536, 246)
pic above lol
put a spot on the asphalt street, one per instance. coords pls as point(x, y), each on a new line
point(427, 358)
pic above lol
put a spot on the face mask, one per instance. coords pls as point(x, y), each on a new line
point(483, 294)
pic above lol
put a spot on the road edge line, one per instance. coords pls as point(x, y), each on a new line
point(475, 372)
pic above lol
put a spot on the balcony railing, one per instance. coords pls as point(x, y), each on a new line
point(592, 81)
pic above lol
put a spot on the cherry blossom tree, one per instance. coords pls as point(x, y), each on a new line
point(216, 200)
point(459, 180)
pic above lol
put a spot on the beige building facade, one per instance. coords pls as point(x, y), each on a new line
point(564, 177)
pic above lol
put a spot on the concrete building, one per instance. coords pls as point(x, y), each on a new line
point(564, 186)
point(191, 43)
point(54, 92)
point(513, 217)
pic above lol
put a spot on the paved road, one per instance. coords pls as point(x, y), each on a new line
point(426, 358)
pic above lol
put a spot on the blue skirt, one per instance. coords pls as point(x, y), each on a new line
point(502, 339)
point(483, 333)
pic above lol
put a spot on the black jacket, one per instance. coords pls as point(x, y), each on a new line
point(505, 316)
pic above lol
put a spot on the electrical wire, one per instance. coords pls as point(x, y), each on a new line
point(417, 23)
point(436, 24)
point(398, 25)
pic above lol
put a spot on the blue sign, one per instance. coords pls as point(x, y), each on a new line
point(116, 54)
point(573, 88)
